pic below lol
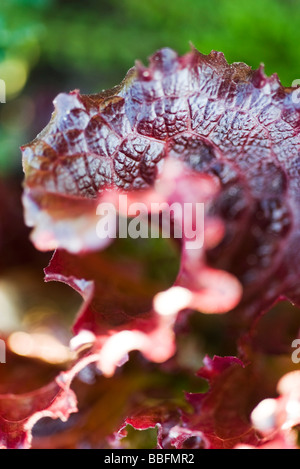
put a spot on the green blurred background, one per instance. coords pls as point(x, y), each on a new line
point(48, 46)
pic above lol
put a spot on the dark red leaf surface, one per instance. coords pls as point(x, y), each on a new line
point(228, 121)
point(30, 391)
point(219, 418)
point(117, 307)
point(183, 129)
point(225, 417)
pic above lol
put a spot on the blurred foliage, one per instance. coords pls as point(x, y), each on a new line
point(52, 45)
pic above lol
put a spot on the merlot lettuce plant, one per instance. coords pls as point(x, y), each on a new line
point(183, 130)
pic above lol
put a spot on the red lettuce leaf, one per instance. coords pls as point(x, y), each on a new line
point(228, 121)
point(117, 309)
point(230, 415)
point(30, 390)
point(134, 312)
point(220, 417)
point(234, 135)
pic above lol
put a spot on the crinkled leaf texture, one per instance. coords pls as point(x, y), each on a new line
point(218, 419)
point(232, 123)
point(184, 129)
